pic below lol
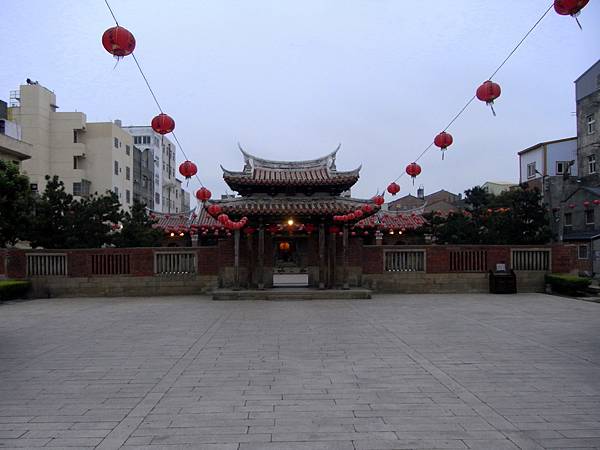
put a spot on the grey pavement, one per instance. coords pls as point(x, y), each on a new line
point(396, 372)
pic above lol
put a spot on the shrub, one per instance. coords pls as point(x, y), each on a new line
point(11, 289)
point(568, 284)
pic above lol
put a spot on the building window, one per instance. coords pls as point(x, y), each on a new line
point(33, 187)
point(127, 173)
point(116, 190)
point(592, 164)
point(590, 124)
point(155, 141)
point(561, 167)
point(582, 252)
point(77, 188)
point(127, 196)
point(75, 163)
point(568, 219)
point(116, 142)
point(137, 139)
point(589, 217)
point(531, 170)
point(116, 167)
point(127, 150)
point(157, 198)
point(74, 136)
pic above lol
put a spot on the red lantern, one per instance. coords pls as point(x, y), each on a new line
point(188, 169)
point(586, 204)
point(488, 92)
point(284, 246)
point(350, 216)
point(203, 194)
point(413, 169)
point(334, 229)
point(378, 200)
point(309, 227)
point(367, 208)
point(570, 8)
point(571, 205)
point(214, 210)
point(118, 41)
point(223, 218)
point(443, 141)
point(596, 202)
point(393, 188)
point(163, 124)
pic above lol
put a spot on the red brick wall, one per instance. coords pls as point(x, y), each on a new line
point(372, 261)
point(2, 261)
point(208, 260)
point(16, 264)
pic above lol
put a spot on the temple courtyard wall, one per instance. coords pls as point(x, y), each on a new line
point(200, 270)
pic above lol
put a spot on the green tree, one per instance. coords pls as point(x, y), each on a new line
point(137, 229)
point(92, 219)
point(514, 217)
point(62, 222)
point(16, 204)
point(51, 223)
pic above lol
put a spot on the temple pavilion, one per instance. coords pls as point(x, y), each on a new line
point(292, 235)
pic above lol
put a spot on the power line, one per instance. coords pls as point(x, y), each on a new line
point(463, 109)
point(137, 63)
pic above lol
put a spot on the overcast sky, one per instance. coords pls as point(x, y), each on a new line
point(292, 79)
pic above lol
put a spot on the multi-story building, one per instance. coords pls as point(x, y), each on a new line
point(87, 157)
point(587, 97)
point(12, 148)
point(556, 158)
point(498, 187)
point(143, 176)
point(166, 190)
point(440, 201)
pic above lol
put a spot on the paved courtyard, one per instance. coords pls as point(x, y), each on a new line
point(395, 372)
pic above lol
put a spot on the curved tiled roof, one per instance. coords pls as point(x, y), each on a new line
point(393, 220)
point(303, 206)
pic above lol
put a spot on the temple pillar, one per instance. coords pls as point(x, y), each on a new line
point(195, 240)
point(261, 255)
point(332, 259)
point(378, 238)
point(321, 255)
point(250, 241)
point(345, 284)
point(236, 259)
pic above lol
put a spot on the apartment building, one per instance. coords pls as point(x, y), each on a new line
point(166, 189)
point(12, 148)
point(88, 157)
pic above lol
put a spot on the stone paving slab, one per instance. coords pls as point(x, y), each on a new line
point(395, 372)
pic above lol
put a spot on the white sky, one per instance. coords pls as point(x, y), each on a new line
point(292, 79)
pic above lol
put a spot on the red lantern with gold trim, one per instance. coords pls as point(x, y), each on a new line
point(118, 41)
point(188, 169)
point(413, 170)
point(163, 124)
point(443, 141)
point(203, 194)
point(488, 92)
point(570, 8)
point(393, 188)
point(378, 200)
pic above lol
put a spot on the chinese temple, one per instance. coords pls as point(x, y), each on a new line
point(292, 224)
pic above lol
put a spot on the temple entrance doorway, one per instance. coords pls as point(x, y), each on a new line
point(290, 261)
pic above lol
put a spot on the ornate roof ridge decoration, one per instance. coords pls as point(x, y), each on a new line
point(252, 162)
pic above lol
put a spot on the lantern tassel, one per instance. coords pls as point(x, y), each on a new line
point(577, 20)
point(443, 154)
point(492, 107)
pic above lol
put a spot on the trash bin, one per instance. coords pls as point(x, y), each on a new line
point(503, 282)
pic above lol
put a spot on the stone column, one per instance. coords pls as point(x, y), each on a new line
point(236, 260)
point(261, 255)
point(378, 238)
point(345, 258)
point(321, 255)
point(195, 240)
point(333, 257)
point(250, 241)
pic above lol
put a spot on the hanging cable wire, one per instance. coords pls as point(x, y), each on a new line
point(463, 109)
point(137, 63)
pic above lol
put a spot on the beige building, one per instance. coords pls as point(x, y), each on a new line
point(87, 157)
point(498, 187)
point(12, 148)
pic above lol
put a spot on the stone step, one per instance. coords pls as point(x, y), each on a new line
point(283, 294)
